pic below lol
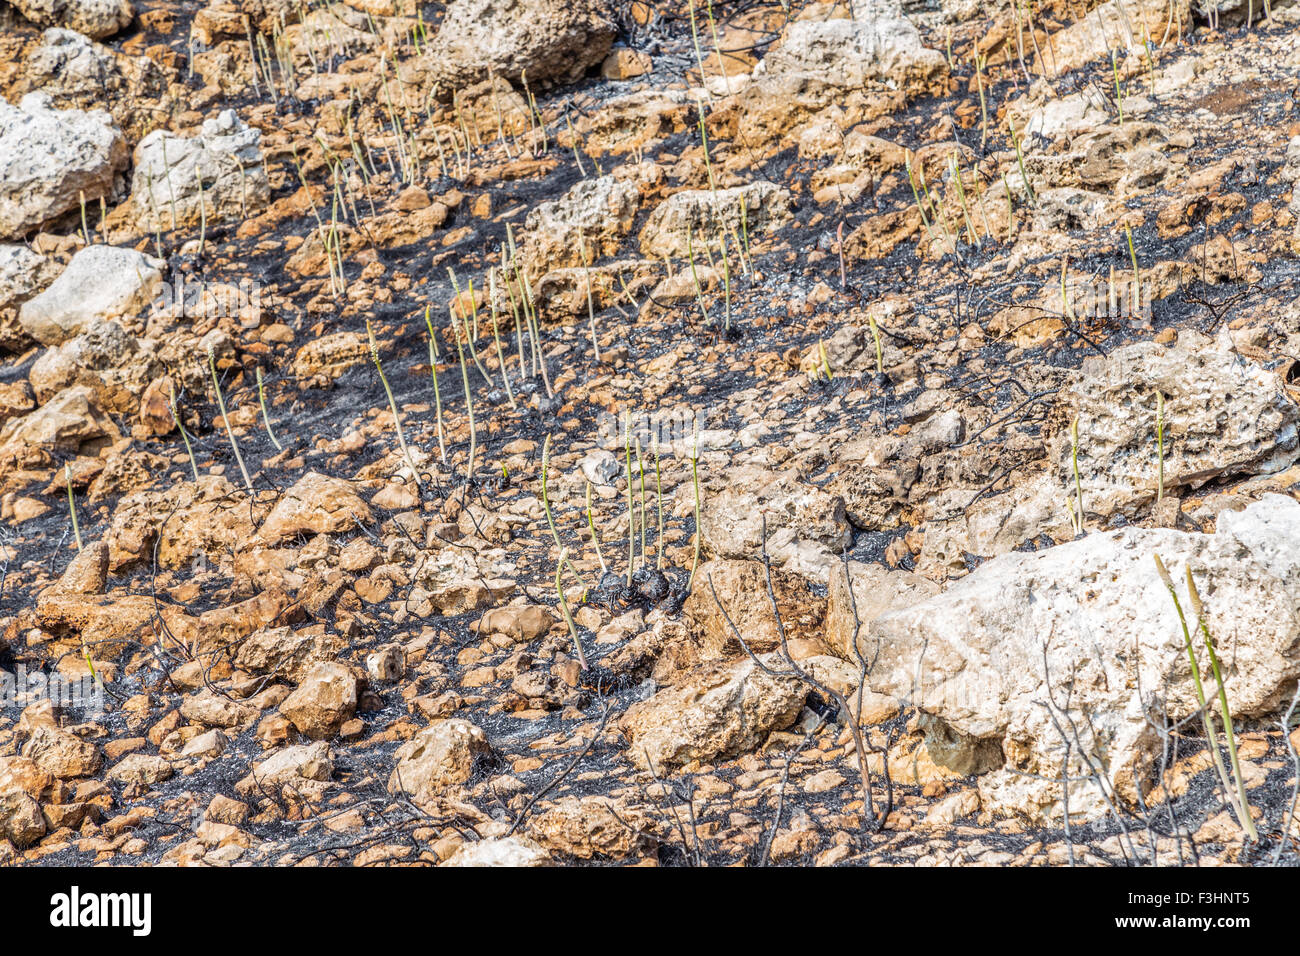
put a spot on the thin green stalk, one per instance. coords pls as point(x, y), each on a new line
point(225, 417)
point(595, 535)
point(437, 394)
point(72, 505)
point(184, 435)
point(1243, 807)
point(392, 403)
point(266, 418)
point(469, 408)
point(564, 606)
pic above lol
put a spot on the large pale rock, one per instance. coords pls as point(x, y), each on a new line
point(21, 822)
point(95, 18)
point(691, 219)
point(49, 158)
point(799, 519)
point(304, 770)
point(225, 158)
point(442, 755)
point(1223, 415)
point(1120, 25)
point(316, 504)
point(551, 41)
point(61, 754)
point(324, 359)
point(587, 827)
point(99, 284)
point(851, 610)
point(323, 702)
point(741, 590)
point(454, 581)
point(108, 359)
point(867, 66)
point(64, 422)
point(512, 851)
point(985, 658)
point(723, 710)
point(593, 216)
point(22, 273)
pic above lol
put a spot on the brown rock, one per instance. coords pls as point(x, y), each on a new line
point(325, 700)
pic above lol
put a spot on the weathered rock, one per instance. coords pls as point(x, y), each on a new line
point(21, 822)
point(1223, 415)
point(741, 589)
point(522, 623)
point(866, 65)
point(323, 702)
point(141, 769)
point(991, 658)
point(544, 41)
point(512, 851)
point(22, 274)
point(723, 710)
point(106, 358)
point(875, 590)
point(99, 284)
point(64, 422)
point(593, 216)
point(87, 572)
point(61, 754)
point(587, 827)
point(455, 582)
point(324, 359)
point(50, 158)
point(218, 174)
point(796, 514)
point(1113, 26)
point(95, 18)
point(442, 755)
point(755, 208)
point(316, 504)
point(303, 769)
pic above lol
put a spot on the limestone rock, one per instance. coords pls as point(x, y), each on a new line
point(723, 710)
point(1095, 615)
point(757, 207)
point(316, 504)
point(548, 40)
point(49, 158)
point(100, 283)
point(512, 851)
point(218, 174)
point(97, 19)
point(1223, 415)
point(440, 756)
point(323, 702)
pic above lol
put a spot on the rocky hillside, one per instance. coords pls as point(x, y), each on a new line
point(605, 431)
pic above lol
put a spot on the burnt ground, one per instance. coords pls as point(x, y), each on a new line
point(754, 808)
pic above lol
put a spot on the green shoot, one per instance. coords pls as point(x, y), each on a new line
point(564, 606)
point(72, 505)
point(392, 403)
point(266, 419)
point(437, 395)
point(595, 535)
point(184, 435)
point(225, 417)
